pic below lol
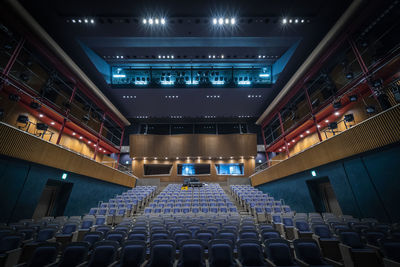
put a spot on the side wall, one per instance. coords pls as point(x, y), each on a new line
point(366, 185)
point(22, 184)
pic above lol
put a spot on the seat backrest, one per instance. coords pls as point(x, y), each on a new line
point(118, 236)
point(248, 234)
point(351, 239)
point(103, 254)
point(182, 235)
point(372, 236)
point(159, 235)
point(250, 252)
point(162, 253)
point(93, 237)
point(279, 252)
point(133, 253)
point(269, 234)
point(192, 253)
point(220, 252)
point(74, 254)
point(322, 231)
point(308, 251)
point(302, 225)
point(137, 235)
point(45, 234)
point(69, 228)
point(227, 234)
point(44, 254)
point(10, 242)
point(86, 224)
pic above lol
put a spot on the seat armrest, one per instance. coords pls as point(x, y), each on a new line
point(390, 263)
point(52, 264)
point(82, 264)
point(238, 263)
point(144, 263)
point(333, 262)
point(270, 263)
point(113, 264)
point(373, 247)
point(301, 263)
point(13, 256)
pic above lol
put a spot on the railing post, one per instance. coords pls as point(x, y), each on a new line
point(71, 98)
point(265, 145)
point(312, 114)
point(12, 60)
point(120, 146)
point(100, 133)
point(284, 136)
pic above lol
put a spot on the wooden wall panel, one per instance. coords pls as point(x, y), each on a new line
point(138, 169)
point(19, 144)
point(380, 130)
point(193, 145)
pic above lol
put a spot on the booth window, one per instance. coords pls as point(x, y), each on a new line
point(193, 169)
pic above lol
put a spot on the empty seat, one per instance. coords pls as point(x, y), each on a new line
point(328, 243)
point(44, 254)
point(221, 253)
point(104, 253)
point(10, 249)
point(118, 236)
point(93, 237)
point(162, 253)
point(250, 253)
point(278, 252)
point(191, 254)
point(74, 254)
point(307, 253)
point(302, 229)
point(137, 235)
point(133, 254)
point(269, 234)
point(390, 249)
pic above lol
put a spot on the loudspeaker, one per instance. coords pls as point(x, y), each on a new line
point(22, 118)
point(333, 125)
point(349, 117)
point(337, 105)
point(35, 105)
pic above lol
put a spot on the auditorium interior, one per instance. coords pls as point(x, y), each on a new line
point(200, 133)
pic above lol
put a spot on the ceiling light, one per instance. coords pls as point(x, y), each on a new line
point(337, 113)
point(157, 21)
point(293, 141)
point(302, 21)
point(301, 136)
point(166, 157)
point(159, 56)
point(319, 126)
point(284, 21)
point(73, 21)
point(213, 56)
point(151, 21)
point(296, 21)
point(52, 123)
point(80, 137)
point(144, 21)
point(80, 21)
point(177, 157)
point(259, 56)
point(86, 20)
point(222, 56)
point(226, 21)
point(209, 56)
point(172, 56)
point(162, 21)
point(92, 21)
point(308, 131)
point(89, 142)
point(290, 21)
point(220, 157)
point(168, 56)
point(214, 21)
point(326, 121)
point(41, 115)
point(155, 158)
point(233, 21)
point(73, 133)
point(220, 21)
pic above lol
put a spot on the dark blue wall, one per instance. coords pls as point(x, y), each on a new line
point(22, 183)
point(366, 185)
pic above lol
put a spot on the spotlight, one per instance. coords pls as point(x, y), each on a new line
point(52, 123)
point(301, 136)
point(302, 21)
point(326, 121)
point(220, 21)
point(151, 21)
point(353, 98)
point(284, 21)
point(337, 105)
point(80, 137)
point(34, 105)
point(92, 21)
point(226, 21)
point(370, 109)
point(80, 21)
point(157, 21)
point(73, 21)
point(73, 133)
point(163, 21)
point(308, 131)
point(349, 117)
point(296, 21)
point(144, 21)
point(86, 20)
point(41, 115)
point(89, 142)
point(349, 75)
point(222, 56)
point(215, 21)
point(337, 113)
point(233, 21)
point(290, 21)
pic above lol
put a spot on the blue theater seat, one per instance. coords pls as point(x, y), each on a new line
point(250, 253)
point(133, 254)
point(44, 254)
point(191, 254)
point(104, 253)
point(221, 253)
point(279, 253)
point(74, 254)
point(162, 253)
point(308, 253)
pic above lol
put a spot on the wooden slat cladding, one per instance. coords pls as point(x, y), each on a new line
point(378, 131)
point(193, 145)
point(18, 144)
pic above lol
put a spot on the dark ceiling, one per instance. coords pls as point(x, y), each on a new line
point(191, 37)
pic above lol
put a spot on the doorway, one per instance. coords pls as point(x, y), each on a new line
point(53, 199)
point(323, 196)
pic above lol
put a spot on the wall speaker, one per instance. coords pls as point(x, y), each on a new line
point(22, 118)
point(42, 126)
point(333, 125)
point(349, 117)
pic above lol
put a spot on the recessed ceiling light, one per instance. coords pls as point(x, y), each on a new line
point(326, 121)
point(151, 21)
point(233, 21)
point(308, 131)
point(214, 21)
point(162, 21)
point(226, 21)
point(92, 21)
point(220, 21)
point(301, 136)
point(86, 20)
point(157, 21)
point(73, 133)
point(80, 137)
point(89, 142)
point(144, 21)
point(337, 113)
point(73, 21)
point(41, 115)
point(284, 21)
point(52, 123)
